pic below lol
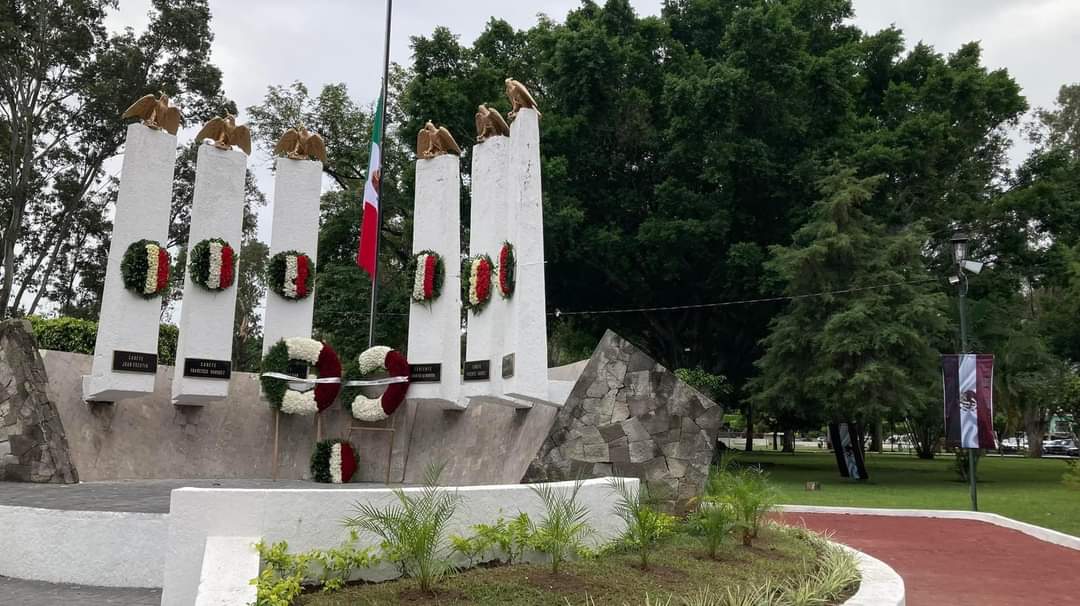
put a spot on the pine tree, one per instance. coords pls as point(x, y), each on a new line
point(860, 355)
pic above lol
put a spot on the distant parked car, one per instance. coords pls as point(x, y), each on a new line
point(1013, 444)
point(1065, 446)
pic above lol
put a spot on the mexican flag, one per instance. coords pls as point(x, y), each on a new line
point(369, 227)
point(969, 400)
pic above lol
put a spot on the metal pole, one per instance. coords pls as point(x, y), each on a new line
point(378, 185)
point(973, 453)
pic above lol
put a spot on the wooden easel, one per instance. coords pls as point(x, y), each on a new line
point(389, 448)
point(277, 431)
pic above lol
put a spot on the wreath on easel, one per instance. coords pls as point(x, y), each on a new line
point(277, 376)
point(374, 360)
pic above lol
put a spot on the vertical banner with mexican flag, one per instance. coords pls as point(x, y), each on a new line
point(369, 227)
point(969, 400)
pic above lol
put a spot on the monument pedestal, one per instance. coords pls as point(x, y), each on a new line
point(204, 351)
point(127, 336)
point(435, 326)
point(297, 188)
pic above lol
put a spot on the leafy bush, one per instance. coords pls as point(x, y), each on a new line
point(511, 538)
point(281, 582)
point(78, 336)
point(473, 548)
point(645, 526)
point(561, 532)
point(715, 387)
point(413, 530)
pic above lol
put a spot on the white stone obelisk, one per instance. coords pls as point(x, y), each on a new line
point(435, 327)
point(129, 323)
point(488, 229)
point(526, 337)
point(297, 187)
point(206, 317)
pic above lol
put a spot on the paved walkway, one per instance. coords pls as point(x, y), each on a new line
point(958, 562)
point(36, 593)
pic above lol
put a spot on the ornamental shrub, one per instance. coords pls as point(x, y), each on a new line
point(78, 336)
point(646, 527)
point(749, 494)
point(560, 534)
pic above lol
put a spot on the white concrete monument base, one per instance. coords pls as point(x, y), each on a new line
point(128, 322)
point(206, 318)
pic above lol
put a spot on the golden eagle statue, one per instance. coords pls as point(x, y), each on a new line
point(155, 113)
point(520, 97)
point(490, 123)
point(299, 144)
point(226, 134)
point(434, 141)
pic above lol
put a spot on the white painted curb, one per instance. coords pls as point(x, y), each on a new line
point(1038, 532)
point(101, 548)
point(880, 585)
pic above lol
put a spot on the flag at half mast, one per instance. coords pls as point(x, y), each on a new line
point(369, 227)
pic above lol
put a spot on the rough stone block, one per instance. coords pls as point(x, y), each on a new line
point(642, 451)
point(595, 453)
point(619, 451)
point(677, 467)
point(635, 430)
point(612, 431)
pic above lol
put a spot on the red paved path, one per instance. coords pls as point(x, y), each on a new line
point(959, 562)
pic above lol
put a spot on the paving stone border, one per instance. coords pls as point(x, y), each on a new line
point(33, 446)
point(627, 415)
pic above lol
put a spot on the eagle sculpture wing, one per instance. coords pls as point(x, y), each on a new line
point(446, 141)
point(140, 108)
point(171, 120)
point(480, 129)
point(498, 122)
point(287, 142)
point(211, 130)
point(423, 143)
point(314, 146)
point(241, 137)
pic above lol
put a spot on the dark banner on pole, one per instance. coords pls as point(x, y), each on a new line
point(847, 443)
point(968, 381)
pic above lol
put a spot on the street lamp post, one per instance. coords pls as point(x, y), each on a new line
point(960, 248)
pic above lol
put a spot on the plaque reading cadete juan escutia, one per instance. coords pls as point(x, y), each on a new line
point(201, 368)
point(134, 361)
point(425, 373)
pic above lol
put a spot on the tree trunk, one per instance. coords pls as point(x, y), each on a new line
point(875, 436)
point(749, 428)
point(774, 445)
point(1035, 427)
point(789, 441)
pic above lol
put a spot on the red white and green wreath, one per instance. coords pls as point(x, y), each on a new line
point(507, 270)
point(429, 271)
point(278, 383)
point(374, 360)
point(213, 264)
point(333, 461)
point(292, 274)
point(477, 282)
point(144, 269)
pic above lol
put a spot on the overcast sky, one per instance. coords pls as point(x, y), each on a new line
point(264, 42)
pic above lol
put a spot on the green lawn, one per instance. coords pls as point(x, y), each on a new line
point(1025, 489)
point(679, 568)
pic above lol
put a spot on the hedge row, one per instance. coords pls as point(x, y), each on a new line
point(78, 336)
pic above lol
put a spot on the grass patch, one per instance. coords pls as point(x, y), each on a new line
point(678, 567)
point(1029, 490)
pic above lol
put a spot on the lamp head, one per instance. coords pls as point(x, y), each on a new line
point(959, 247)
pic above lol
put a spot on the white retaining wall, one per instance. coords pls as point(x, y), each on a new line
point(311, 518)
point(879, 585)
point(102, 548)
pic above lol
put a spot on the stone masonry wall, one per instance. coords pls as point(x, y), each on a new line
point(33, 447)
point(628, 415)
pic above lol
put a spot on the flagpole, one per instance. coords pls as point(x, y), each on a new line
point(378, 185)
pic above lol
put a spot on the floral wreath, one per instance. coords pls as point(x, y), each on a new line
point(375, 359)
point(429, 271)
point(334, 461)
point(476, 282)
point(507, 270)
point(292, 274)
point(275, 376)
point(212, 264)
point(145, 269)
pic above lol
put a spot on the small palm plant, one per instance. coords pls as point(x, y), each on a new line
point(714, 519)
point(413, 530)
point(645, 526)
point(750, 495)
point(562, 529)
